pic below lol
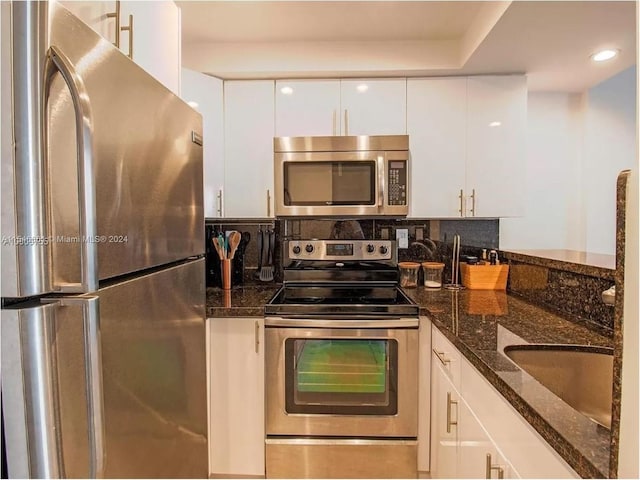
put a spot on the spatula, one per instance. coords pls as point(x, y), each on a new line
point(266, 272)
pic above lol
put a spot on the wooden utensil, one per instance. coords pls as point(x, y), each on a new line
point(216, 245)
point(234, 241)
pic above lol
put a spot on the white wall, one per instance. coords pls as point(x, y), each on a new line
point(577, 144)
point(609, 147)
point(552, 176)
point(206, 91)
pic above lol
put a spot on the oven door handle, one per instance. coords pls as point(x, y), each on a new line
point(356, 321)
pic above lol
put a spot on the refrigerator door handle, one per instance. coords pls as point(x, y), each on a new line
point(56, 61)
point(94, 385)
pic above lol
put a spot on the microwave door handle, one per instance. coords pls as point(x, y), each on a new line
point(56, 61)
point(381, 182)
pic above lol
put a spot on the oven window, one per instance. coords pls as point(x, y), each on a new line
point(341, 376)
point(329, 183)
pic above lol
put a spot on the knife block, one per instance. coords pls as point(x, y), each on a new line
point(484, 277)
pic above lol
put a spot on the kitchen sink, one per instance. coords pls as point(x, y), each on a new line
point(581, 375)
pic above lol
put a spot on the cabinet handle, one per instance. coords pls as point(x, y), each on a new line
point(449, 421)
point(257, 332)
point(116, 15)
point(268, 203)
point(490, 467)
point(441, 357)
point(335, 121)
point(461, 197)
point(129, 28)
point(220, 203)
point(346, 122)
point(473, 202)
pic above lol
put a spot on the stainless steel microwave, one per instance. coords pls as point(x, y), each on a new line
point(342, 176)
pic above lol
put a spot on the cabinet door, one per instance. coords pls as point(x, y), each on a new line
point(237, 396)
point(477, 454)
point(156, 42)
point(374, 107)
point(444, 431)
point(436, 124)
point(496, 122)
point(94, 14)
point(204, 93)
point(248, 148)
point(307, 108)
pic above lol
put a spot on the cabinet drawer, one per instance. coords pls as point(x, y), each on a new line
point(444, 353)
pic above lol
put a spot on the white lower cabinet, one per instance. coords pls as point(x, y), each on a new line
point(236, 422)
point(475, 432)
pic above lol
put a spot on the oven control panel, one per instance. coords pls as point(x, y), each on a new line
point(337, 250)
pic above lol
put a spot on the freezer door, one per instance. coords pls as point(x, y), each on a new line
point(109, 385)
point(106, 177)
point(52, 389)
point(154, 374)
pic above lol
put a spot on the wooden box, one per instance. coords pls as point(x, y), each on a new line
point(484, 277)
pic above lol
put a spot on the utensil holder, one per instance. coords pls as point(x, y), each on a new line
point(225, 265)
point(484, 277)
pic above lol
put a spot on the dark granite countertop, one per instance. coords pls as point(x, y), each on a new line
point(246, 301)
point(480, 323)
point(584, 263)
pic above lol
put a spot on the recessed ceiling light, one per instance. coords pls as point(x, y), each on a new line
point(495, 124)
point(286, 90)
point(193, 104)
point(604, 55)
point(363, 87)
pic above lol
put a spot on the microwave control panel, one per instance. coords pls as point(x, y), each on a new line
point(397, 183)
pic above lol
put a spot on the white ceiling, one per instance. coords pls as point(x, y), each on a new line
point(549, 41)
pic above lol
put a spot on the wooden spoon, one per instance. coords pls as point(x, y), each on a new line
point(216, 245)
point(234, 241)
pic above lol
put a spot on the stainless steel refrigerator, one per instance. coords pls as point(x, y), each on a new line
point(103, 278)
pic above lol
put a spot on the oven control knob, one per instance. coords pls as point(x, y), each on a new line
point(383, 249)
point(308, 248)
point(296, 249)
point(371, 248)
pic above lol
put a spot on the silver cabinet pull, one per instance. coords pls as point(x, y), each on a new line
point(461, 197)
point(449, 421)
point(268, 203)
point(335, 122)
point(129, 28)
point(257, 333)
point(441, 357)
point(55, 61)
point(473, 202)
point(346, 122)
point(219, 203)
point(490, 467)
point(116, 15)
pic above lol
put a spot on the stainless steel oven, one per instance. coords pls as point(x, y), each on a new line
point(337, 176)
point(341, 347)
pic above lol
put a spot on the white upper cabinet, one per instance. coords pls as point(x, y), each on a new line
point(249, 126)
point(374, 106)
point(436, 124)
point(204, 93)
point(341, 107)
point(467, 143)
point(496, 123)
point(154, 39)
point(307, 108)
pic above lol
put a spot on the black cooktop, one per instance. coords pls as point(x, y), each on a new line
point(341, 300)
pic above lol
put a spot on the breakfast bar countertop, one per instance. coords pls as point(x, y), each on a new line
point(480, 323)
